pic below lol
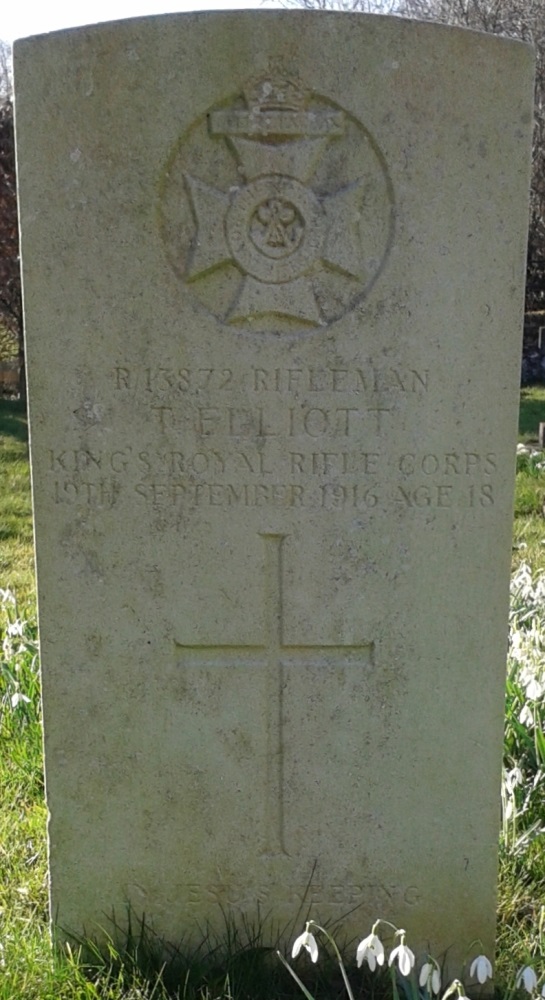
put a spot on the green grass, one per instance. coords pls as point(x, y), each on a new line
point(240, 965)
point(16, 539)
point(532, 412)
point(529, 524)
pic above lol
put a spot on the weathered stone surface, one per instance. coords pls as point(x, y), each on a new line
point(273, 269)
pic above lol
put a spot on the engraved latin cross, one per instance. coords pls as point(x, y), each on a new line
point(276, 657)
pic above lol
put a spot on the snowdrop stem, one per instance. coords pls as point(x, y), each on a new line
point(345, 978)
point(295, 976)
point(395, 990)
point(338, 956)
point(386, 924)
point(477, 943)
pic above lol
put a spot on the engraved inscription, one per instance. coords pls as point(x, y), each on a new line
point(375, 894)
point(256, 476)
point(370, 394)
point(213, 452)
point(275, 656)
point(354, 381)
point(277, 209)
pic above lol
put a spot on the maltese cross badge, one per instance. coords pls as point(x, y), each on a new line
point(277, 209)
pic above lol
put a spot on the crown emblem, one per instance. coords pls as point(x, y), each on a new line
point(276, 111)
point(274, 94)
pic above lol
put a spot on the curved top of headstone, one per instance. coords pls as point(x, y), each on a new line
point(274, 198)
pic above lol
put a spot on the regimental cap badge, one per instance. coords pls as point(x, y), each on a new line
point(284, 207)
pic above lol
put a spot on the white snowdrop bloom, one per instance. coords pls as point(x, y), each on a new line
point(403, 956)
point(515, 645)
point(527, 978)
point(15, 628)
point(481, 967)
point(17, 698)
point(534, 689)
point(526, 716)
point(512, 779)
point(430, 976)
point(308, 941)
point(371, 950)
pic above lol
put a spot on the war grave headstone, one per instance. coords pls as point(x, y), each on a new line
point(273, 281)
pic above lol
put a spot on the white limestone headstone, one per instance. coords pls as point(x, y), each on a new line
point(273, 282)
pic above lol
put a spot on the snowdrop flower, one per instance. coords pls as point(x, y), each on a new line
point(403, 955)
point(308, 941)
point(515, 644)
point(512, 779)
point(15, 628)
point(430, 977)
point(527, 978)
point(372, 950)
point(526, 717)
point(17, 698)
point(509, 810)
point(481, 969)
point(534, 689)
point(455, 987)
